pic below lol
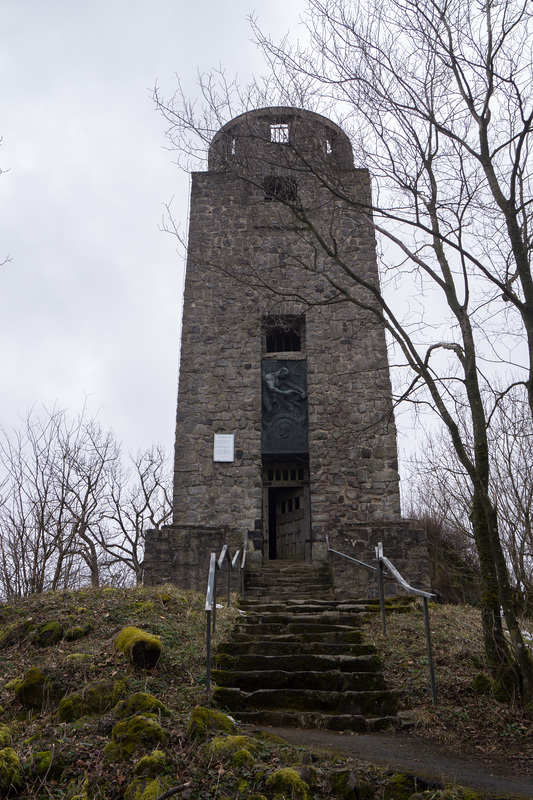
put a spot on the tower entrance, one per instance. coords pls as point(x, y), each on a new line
point(286, 509)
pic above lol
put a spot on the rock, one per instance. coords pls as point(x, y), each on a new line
point(288, 783)
point(146, 789)
point(5, 735)
point(47, 634)
point(36, 690)
point(140, 703)
point(140, 732)
point(16, 632)
point(78, 632)
point(227, 746)
point(400, 787)
point(9, 770)
point(95, 698)
point(150, 766)
point(46, 763)
point(141, 648)
point(204, 721)
point(343, 783)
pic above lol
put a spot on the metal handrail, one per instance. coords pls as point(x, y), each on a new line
point(216, 564)
point(384, 561)
point(349, 558)
point(386, 567)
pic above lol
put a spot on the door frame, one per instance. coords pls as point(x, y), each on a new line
point(280, 474)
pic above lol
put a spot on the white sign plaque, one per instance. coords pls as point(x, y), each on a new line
point(223, 447)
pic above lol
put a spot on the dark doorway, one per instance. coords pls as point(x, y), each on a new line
point(286, 510)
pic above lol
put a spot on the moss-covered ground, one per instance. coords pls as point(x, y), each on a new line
point(126, 731)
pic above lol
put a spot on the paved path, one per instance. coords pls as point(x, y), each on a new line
point(412, 754)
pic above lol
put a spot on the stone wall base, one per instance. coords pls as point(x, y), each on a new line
point(180, 554)
point(406, 547)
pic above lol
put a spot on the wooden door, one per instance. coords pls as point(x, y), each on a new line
point(291, 525)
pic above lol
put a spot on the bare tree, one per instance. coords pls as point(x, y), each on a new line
point(512, 447)
point(438, 96)
point(70, 513)
point(140, 499)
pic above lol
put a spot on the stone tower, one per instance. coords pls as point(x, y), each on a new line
point(284, 432)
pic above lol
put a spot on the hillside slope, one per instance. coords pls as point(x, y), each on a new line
point(84, 722)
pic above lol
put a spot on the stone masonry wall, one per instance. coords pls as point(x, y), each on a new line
point(404, 546)
point(181, 554)
point(249, 258)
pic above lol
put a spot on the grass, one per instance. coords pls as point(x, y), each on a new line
point(462, 717)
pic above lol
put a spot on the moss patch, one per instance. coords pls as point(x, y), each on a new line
point(77, 632)
point(146, 789)
point(95, 698)
point(150, 766)
point(48, 634)
point(140, 703)
point(287, 783)
point(5, 736)
point(140, 732)
point(78, 658)
point(481, 683)
point(139, 647)
point(36, 690)
point(204, 721)
point(15, 633)
point(226, 746)
point(9, 769)
point(400, 787)
point(47, 764)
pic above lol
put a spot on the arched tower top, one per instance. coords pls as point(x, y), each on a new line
point(280, 136)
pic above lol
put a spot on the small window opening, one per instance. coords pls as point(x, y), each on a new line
point(233, 145)
point(280, 187)
point(279, 133)
point(283, 334)
point(328, 146)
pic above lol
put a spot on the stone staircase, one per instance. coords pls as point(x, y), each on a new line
point(297, 658)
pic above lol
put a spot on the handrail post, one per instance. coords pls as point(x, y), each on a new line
point(381, 591)
point(430, 652)
point(229, 580)
point(215, 600)
point(208, 656)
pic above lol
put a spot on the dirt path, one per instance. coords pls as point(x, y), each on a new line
point(405, 753)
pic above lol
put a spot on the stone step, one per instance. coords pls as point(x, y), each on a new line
point(294, 578)
point(267, 648)
point(321, 680)
point(365, 703)
point(312, 719)
point(349, 636)
point(275, 592)
point(271, 629)
point(304, 607)
point(297, 656)
point(281, 565)
point(366, 662)
point(348, 619)
point(284, 596)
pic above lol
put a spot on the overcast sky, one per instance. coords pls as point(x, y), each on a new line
point(90, 300)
